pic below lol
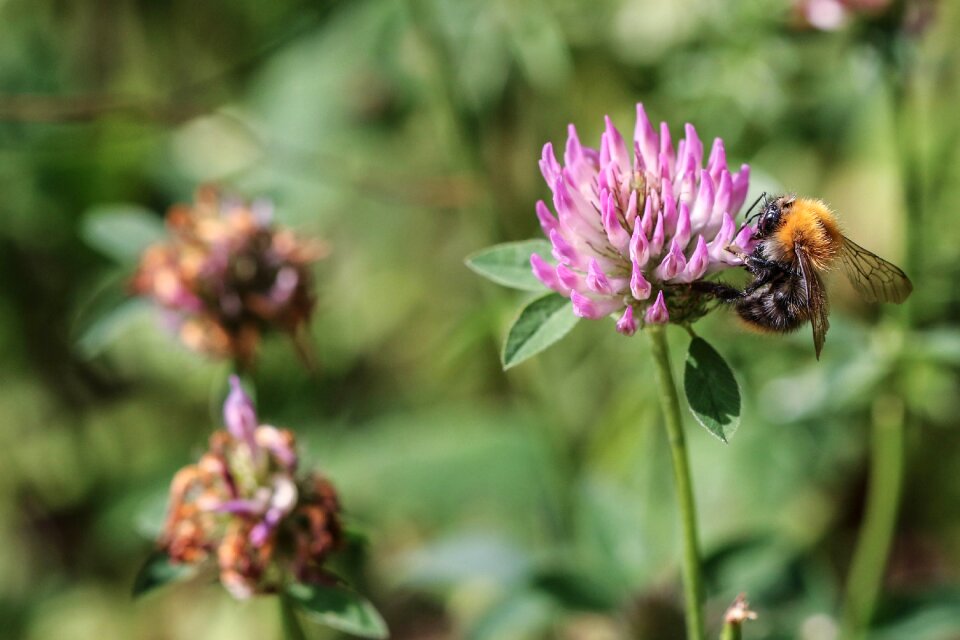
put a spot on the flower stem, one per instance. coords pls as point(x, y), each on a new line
point(883, 499)
point(670, 402)
point(865, 578)
point(289, 623)
point(731, 631)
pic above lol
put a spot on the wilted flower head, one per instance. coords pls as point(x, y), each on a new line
point(244, 504)
point(228, 274)
point(637, 221)
point(739, 612)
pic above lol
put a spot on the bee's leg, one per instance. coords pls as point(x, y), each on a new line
point(720, 291)
point(758, 265)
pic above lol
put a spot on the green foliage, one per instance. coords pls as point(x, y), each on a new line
point(933, 614)
point(575, 590)
point(157, 571)
point(712, 391)
point(406, 135)
point(108, 327)
point(509, 263)
point(289, 620)
point(542, 322)
point(121, 231)
point(519, 614)
point(339, 608)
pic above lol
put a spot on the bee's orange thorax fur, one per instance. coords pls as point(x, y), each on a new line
point(811, 224)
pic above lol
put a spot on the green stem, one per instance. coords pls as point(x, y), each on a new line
point(670, 402)
point(865, 578)
point(289, 622)
point(883, 500)
point(731, 631)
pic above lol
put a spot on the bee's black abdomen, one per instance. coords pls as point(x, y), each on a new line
point(779, 305)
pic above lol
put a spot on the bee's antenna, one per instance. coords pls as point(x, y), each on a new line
point(763, 197)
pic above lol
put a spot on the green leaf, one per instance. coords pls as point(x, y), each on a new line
point(105, 313)
point(289, 622)
point(518, 614)
point(928, 614)
point(355, 536)
point(711, 389)
point(121, 231)
point(339, 608)
point(541, 323)
point(509, 264)
point(157, 571)
point(97, 337)
point(445, 563)
point(574, 591)
point(150, 510)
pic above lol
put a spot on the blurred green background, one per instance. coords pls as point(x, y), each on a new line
point(532, 504)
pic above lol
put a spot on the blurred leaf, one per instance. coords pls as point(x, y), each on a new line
point(939, 345)
point(541, 51)
point(104, 311)
point(401, 455)
point(760, 564)
point(541, 323)
point(509, 263)
point(339, 608)
point(152, 511)
point(574, 591)
point(102, 332)
point(934, 615)
point(711, 389)
point(482, 59)
point(519, 614)
point(121, 231)
point(607, 522)
point(446, 563)
point(355, 536)
point(158, 571)
point(930, 390)
point(289, 621)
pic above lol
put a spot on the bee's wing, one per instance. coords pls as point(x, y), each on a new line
point(873, 277)
point(816, 298)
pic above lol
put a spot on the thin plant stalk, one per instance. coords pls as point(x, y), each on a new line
point(289, 622)
point(873, 545)
point(670, 402)
point(865, 577)
point(731, 631)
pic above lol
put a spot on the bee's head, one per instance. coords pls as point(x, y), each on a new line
point(772, 213)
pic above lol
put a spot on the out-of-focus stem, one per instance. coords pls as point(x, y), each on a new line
point(670, 402)
point(289, 623)
point(731, 631)
point(865, 578)
point(883, 499)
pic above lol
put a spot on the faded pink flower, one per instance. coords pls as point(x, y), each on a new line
point(228, 275)
point(739, 612)
point(245, 504)
point(637, 221)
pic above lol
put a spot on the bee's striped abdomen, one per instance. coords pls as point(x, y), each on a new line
point(779, 305)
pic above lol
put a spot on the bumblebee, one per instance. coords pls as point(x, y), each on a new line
point(799, 239)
